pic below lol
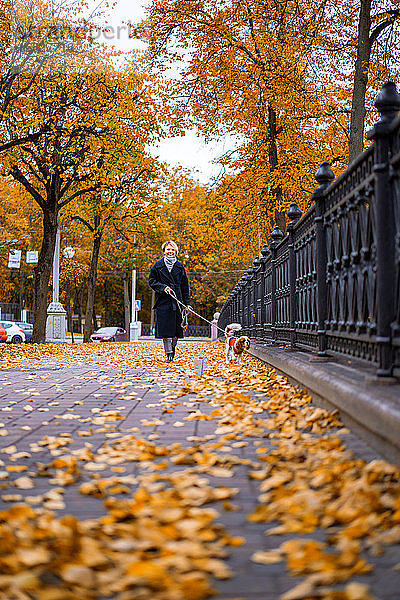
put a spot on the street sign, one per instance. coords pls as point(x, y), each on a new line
point(68, 252)
point(138, 304)
point(32, 256)
point(14, 259)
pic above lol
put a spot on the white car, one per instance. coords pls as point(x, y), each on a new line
point(15, 335)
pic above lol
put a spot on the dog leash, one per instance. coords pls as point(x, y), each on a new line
point(184, 317)
point(187, 310)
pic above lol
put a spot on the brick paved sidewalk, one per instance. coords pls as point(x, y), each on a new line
point(52, 404)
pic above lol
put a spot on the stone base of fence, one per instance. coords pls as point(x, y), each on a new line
point(367, 405)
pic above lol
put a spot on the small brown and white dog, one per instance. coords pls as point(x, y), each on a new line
point(234, 347)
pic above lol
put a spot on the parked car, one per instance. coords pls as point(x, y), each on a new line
point(3, 334)
point(109, 334)
point(15, 335)
point(27, 328)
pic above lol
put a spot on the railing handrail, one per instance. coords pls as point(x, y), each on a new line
point(352, 167)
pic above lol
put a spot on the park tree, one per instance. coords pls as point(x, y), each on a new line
point(194, 217)
point(365, 37)
point(96, 229)
point(73, 272)
point(35, 37)
point(376, 42)
point(115, 211)
point(244, 70)
point(275, 76)
point(91, 114)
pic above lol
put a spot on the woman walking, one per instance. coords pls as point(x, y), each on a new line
point(168, 275)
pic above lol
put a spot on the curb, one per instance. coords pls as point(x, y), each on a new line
point(371, 408)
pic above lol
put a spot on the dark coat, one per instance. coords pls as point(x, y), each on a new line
point(168, 315)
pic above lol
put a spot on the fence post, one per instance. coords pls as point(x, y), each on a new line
point(263, 260)
point(243, 301)
point(324, 177)
point(240, 304)
point(276, 236)
point(388, 104)
point(257, 296)
point(294, 213)
point(250, 301)
point(233, 305)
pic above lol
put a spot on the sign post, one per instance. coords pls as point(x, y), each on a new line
point(135, 325)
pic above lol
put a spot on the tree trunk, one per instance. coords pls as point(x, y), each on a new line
point(94, 318)
point(356, 134)
point(42, 273)
point(280, 217)
point(106, 303)
point(126, 302)
point(78, 301)
point(69, 315)
point(91, 289)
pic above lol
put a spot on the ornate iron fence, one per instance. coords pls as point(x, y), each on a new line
point(191, 331)
point(332, 283)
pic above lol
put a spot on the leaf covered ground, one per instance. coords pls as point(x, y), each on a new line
point(124, 477)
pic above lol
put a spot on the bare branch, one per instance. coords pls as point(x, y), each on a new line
point(376, 32)
point(88, 225)
point(17, 174)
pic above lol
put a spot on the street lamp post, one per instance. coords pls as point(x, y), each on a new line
point(135, 325)
point(56, 324)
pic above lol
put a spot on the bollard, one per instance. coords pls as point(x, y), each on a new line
point(214, 330)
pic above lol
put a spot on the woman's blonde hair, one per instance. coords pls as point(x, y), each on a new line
point(170, 243)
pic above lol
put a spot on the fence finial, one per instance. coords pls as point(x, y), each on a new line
point(387, 102)
point(256, 263)
point(276, 235)
point(324, 175)
point(294, 213)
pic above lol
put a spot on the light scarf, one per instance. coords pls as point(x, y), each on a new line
point(169, 262)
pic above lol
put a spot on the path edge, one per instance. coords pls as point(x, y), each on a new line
point(363, 403)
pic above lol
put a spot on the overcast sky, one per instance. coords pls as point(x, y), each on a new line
point(189, 151)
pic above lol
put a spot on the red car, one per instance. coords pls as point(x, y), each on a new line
point(109, 334)
point(3, 334)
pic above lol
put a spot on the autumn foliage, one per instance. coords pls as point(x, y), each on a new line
point(275, 76)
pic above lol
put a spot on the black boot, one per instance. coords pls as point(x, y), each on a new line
point(170, 357)
point(173, 352)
